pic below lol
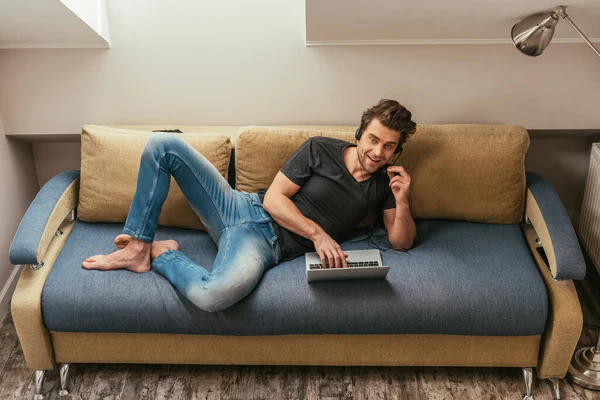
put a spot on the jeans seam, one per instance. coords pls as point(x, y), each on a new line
point(146, 212)
point(227, 245)
point(193, 266)
point(199, 182)
point(171, 255)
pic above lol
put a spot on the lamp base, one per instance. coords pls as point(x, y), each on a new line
point(584, 369)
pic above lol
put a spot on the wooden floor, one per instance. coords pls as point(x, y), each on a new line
point(128, 381)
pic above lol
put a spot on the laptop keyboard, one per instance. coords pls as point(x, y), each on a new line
point(350, 265)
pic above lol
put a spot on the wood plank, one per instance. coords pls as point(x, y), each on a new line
point(335, 383)
point(268, 383)
point(142, 381)
point(567, 392)
point(434, 384)
point(402, 383)
point(497, 385)
point(209, 380)
point(467, 383)
point(291, 380)
point(109, 382)
point(309, 381)
point(237, 382)
point(15, 376)
point(368, 383)
point(50, 386)
point(177, 383)
point(584, 394)
point(82, 378)
point(8, 340)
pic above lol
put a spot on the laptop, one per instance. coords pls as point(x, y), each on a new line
point(362, 264)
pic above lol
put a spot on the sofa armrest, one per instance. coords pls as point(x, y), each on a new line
point(553, 226)
point(50, 207)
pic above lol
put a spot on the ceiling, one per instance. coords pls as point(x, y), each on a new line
point(437, 21)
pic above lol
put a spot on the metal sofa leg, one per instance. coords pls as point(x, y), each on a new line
point(555, 386)
point(64, 380)
point(39, 380)
point(528, 375)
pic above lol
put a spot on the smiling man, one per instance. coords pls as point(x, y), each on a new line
point(328, 186)
point(320, 194)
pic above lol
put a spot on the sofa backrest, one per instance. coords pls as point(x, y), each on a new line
point(110, 160)
point(462, 172)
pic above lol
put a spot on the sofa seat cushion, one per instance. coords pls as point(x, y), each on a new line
point(461, 278)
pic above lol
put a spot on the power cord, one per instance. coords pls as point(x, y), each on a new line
point(370, 242)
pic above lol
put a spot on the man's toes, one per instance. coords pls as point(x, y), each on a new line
point(88, 265)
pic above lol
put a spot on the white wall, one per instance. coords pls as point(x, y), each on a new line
point(242, 63)
point(19, 186)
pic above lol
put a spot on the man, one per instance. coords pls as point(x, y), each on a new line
point(319, 194)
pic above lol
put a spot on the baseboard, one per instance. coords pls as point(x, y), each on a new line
point(8, 290)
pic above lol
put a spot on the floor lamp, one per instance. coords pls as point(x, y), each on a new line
point(531, 36)
point(534, 33)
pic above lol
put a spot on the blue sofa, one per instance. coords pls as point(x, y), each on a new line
point(468, 293)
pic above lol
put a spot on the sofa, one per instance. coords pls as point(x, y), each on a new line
point(488, 283)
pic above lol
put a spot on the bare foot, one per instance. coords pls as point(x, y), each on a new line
point(161, 246)
point(135, 256)
point(122, 240)
point(158, 247)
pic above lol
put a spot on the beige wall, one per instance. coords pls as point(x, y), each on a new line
point(245, 63)
point(564, 163)
point(52, 158)
point(19, 186)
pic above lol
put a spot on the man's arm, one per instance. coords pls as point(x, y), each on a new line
point(398, 221)
point(279, 206)
point(400, 226)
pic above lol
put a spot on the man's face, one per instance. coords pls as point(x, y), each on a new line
point(376, 146)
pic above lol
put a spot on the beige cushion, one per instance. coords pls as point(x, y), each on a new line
point(464, 172)
point(110, 160)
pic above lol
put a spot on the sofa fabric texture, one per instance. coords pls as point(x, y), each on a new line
point(463, 172)
point(368, 350)
point(110, 160)
point(52, 204)
point(565, 253)
point(472, 292)
point(461, 278)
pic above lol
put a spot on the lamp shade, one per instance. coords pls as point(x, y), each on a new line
point(533, 34)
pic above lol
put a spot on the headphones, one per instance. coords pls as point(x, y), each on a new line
point(370, 235)
point(359, 133)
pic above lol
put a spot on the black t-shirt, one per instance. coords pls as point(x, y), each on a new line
point(329, 194)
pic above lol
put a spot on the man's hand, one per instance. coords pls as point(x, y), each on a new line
point(330, 252)
point(400, 184)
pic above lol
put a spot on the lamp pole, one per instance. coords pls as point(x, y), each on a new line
point(562, 11)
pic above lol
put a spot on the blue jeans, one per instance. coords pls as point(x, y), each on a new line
point(236, 221)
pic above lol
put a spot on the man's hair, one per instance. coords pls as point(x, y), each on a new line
point(393, 116)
